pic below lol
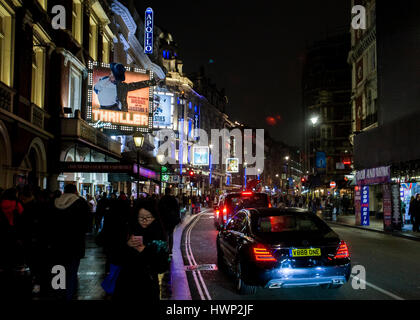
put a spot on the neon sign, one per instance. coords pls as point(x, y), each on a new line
point(148, 31)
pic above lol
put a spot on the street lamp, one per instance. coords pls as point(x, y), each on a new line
point(314, 120)
point(138, 141)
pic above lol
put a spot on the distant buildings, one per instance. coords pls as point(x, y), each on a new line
point(326, 82)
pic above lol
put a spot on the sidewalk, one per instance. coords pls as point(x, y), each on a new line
point(376, 225)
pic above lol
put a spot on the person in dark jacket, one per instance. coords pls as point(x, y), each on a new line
point(170, 215)
point(116, 214)
point(69, 226)
point(145, 255)
point(416, 213)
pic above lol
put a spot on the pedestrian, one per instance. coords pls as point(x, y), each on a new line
point(144, 255)
point(115, 218)
point(416, 214)
point(12, 254)
point(33, 233)
point(170, 215)
point(69, 224)
point(411, 208)
point(92, 212)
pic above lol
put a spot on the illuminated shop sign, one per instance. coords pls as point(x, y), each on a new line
point(163, 110)
point(365, 206)
point(232, 165)
point(119, 98)
point(148, 31)
point(200, 156)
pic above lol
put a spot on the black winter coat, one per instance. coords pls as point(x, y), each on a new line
point(138, 279)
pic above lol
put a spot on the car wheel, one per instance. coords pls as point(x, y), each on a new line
point(241, 286)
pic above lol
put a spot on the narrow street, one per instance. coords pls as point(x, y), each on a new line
point(391, 265)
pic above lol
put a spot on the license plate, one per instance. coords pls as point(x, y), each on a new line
point(309, 252)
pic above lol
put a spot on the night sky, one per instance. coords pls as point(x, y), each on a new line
point(257, 52)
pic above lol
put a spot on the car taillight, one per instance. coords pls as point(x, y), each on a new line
point(269, 204)
point(342, 251)
point(262, 254)
point(217, 214)
point(224, 214)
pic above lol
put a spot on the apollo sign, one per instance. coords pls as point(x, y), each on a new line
point(148, 31)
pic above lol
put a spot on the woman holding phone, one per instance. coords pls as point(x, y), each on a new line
point(144, 255)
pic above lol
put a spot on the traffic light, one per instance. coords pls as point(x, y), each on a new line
point(191, 173)
point(302, 180)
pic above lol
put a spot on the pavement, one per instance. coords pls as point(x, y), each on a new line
point(376, 225)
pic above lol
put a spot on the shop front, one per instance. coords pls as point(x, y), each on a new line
point(377, 199)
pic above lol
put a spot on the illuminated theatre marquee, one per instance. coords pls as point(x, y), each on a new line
point(119, 99)
point(125, 118)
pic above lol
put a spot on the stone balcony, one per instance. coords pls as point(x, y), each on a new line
point(79, 129)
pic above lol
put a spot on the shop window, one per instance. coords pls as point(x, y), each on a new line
point(77, 21)
point(6, 46)
point(75, 88)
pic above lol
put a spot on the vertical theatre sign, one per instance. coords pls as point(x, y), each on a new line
point(365, 206)
point(386, 190)
point(148, 31)
point(396, 207)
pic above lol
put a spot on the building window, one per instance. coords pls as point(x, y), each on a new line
point(43, 4)
point(93, 38)
point(38, 72)
point(6, 46)
point(75, 89)
point(77, 21)
point(106, 48)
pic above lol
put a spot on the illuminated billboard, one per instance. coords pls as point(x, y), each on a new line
point(120, 98)
point(200, 156)
point(163, 110)
point(232, 165)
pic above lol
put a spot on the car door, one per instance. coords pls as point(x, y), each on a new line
point(233, 237)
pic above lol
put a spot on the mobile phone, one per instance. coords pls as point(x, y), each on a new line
point(140, 238)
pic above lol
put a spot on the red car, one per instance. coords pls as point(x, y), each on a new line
point(231, 203)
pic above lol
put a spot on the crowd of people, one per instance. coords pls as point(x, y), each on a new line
point(40, 230)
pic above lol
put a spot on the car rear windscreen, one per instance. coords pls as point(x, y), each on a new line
point(271, 225)
point(240, 201)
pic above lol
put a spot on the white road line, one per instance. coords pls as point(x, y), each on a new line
point(187, 248)
point(192, 262)
point(379, 289)
point(195, 263)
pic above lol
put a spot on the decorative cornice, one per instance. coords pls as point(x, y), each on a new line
point(119, 9)
point(132, 41)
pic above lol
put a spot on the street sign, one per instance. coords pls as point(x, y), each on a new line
point(332, 184)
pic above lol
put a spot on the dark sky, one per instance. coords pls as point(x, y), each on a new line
point(257, 51)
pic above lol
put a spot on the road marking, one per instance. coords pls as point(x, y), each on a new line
point(394, 296)
point(192, 262)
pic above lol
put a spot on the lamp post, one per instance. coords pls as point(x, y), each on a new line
point(287, 173)
point(138, 141)
point(314, 120)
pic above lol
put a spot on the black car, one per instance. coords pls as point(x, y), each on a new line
point(281, 248)
point(231, 203)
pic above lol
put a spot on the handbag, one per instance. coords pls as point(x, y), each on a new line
point(108, 284)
